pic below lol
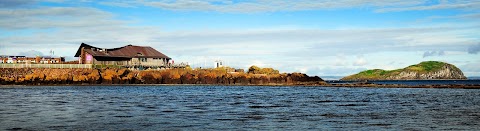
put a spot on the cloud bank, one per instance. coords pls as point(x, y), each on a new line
point(433, 53)
point(31, 53)
point(15, 3)
point(258, 6)
point(474, 49)
point(309, 50)
point(295, 5)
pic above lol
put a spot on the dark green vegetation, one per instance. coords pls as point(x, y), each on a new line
point(427, 66)
point(423, 70)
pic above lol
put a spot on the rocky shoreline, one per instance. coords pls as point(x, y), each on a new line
point(207, 77)
point(453, 86)
point(30, 76)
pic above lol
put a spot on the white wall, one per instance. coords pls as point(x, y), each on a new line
point(133, 61)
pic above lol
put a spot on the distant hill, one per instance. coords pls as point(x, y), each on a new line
point(423, 71)
point(331, 77)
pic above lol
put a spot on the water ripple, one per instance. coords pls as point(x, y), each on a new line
point(237, 108)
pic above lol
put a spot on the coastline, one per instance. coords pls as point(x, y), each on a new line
point(449, 86)
point(29, 76)
point(190, 77)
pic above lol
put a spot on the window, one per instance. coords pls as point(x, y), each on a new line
point(142, 59)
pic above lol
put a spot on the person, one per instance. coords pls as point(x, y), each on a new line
point(170, 63)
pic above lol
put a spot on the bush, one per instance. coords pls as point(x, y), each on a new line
point(258, 70)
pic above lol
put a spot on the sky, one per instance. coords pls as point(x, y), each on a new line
point(316, 37)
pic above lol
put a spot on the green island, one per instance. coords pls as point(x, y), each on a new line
point(427, 70)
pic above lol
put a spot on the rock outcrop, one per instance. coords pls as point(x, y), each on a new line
point(27, 76)
point(429, 70)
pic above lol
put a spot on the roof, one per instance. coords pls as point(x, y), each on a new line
point(128, 51)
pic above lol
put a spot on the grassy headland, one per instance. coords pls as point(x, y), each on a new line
point(423, 70)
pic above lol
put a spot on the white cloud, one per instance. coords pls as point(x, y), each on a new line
point(471, 69)
point(126, 4)
point(466, 4)
point(307, 42)
point(340, 60)
point(31, 53)
point(269, 5)
point(55, 17)
point(314, 51)
point(302, 69)
point(470, 16)
point(360, 61)
point(15, 3)
point(333, 71)
point(290, 50)
point(474, 49)
point(296, 5)
point(258, 63)
point(433, 53)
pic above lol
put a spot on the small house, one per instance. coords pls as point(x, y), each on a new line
point(129, 55)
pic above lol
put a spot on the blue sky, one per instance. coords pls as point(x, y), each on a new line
point(317, 37)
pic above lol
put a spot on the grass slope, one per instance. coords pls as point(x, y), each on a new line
point(423, 67)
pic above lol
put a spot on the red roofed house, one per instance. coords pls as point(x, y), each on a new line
point(129, 55)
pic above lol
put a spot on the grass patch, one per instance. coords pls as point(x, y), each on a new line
point(423, 67)
point(427, 66)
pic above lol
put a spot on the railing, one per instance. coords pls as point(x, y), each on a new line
point(45, 65)
point(138, 65)
point(101, 66)
point(181, 65)
point(64, 66)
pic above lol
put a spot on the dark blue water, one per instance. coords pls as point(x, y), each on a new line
point(415, 82)
point(237, 108)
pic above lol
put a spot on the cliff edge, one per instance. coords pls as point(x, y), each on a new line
point(427, 70)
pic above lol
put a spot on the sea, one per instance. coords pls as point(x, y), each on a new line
point(160, 107)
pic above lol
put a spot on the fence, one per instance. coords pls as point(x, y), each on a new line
point(45, 65)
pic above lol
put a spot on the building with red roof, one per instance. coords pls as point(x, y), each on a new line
point(129, 55)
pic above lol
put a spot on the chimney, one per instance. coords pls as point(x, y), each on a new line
point(37, 59)
point(82, 55)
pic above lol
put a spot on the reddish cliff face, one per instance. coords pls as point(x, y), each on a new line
point(27, 76)
point(47, 76)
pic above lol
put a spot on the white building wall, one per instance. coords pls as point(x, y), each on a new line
point(95, 61)
point(134, 61)
point(149, 61)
